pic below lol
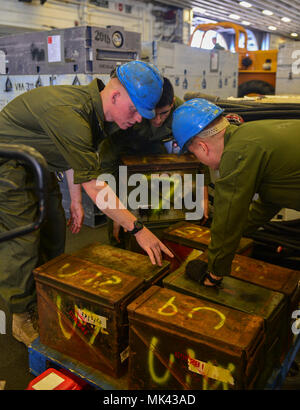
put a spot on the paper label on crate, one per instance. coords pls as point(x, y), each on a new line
point(125, 354)
point(89, 317)
point(54, 49)
point(211, 371)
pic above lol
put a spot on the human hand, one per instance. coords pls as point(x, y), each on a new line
point(205, 210)
point(76, 217)
point(116, 231)
point(152, 245)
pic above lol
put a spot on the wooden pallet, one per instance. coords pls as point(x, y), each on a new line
point(42, 357)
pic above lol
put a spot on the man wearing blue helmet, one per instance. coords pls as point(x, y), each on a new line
point(260, 157)
point(66, 124)
point(144, 138)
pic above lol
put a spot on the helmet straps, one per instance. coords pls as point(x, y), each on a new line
point(218, 127)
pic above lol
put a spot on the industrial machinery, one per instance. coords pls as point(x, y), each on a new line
point(73, 55)
point(288, 71)
point(257, 69)
point(191, 69)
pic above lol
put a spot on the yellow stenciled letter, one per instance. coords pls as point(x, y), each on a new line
point(223, 318)
point(169, 303)
point(163, 379)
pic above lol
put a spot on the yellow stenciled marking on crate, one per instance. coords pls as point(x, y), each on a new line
point(158, 379)
point(196, 232)
point(95, 283)
point(114, 281)
point(90, 280)
point(222, 316)
point(66, 334)
point(61, 274)
point(168, 304)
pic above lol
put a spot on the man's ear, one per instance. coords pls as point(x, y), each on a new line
point(114, 96)
point(203, 146)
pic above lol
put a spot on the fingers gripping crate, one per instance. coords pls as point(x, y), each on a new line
point(181, 342)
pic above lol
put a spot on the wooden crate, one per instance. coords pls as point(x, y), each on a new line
point(182, 237)
point(156, 167)
point(82, 311)
point(182, 342)
point(122, 260)
point(245, 297)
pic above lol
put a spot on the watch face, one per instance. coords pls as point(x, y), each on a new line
point(117, 39)
point(138, 225)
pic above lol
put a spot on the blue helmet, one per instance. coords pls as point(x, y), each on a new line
point(144, 84)
point(191, 118)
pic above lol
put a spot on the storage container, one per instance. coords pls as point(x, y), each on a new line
point(245, 297)
point(170, 185)
point(182, 237)
point(276, 278)
point(84, 49)
point(82, 311)
point(182, 342)
point(125, 261)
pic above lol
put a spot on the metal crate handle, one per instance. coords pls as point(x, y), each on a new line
point(38, 164)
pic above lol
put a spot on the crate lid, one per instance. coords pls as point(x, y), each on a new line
point(237, 294)
point(87, 280)
point(161, 162)
point(266, 274)
point(122, 260)
point(196, 236)
point(188, 316)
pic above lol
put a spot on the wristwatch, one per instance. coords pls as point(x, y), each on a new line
point(138, 226)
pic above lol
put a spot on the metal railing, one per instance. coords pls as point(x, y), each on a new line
point(37, 163)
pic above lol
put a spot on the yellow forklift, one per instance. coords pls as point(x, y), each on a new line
point(257, 69)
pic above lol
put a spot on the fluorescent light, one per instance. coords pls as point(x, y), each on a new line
point(198, 10)
point(273, 28)
point(245, 4)
point(246, 23)
point(285, 19)
point(268, 12)
point(294, 35)
point(234, 16)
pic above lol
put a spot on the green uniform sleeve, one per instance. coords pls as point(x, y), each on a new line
point(234, 190)
point(259, 214)
point(109, 156)
point(74, 140)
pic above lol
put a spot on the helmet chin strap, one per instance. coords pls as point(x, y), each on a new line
point(220, 126)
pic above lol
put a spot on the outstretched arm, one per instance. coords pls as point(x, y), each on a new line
point(76, 209)
point(106, 200)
